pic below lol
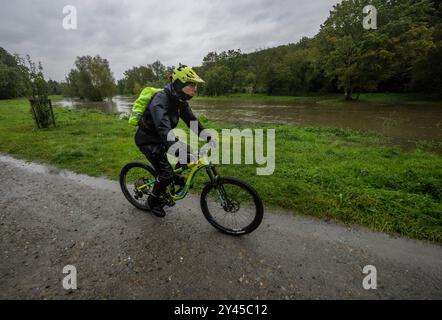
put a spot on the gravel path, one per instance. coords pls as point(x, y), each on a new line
point(51, 218)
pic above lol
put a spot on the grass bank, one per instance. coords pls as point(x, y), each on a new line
point(328, 173)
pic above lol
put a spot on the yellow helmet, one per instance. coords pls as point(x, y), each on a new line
point(186, 74)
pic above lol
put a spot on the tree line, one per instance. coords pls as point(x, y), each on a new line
point(404, 54)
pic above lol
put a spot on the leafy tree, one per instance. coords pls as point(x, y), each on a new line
point(361, 59)
point(276, 76)
point(244, 81)
point(37, 91)
point(218, 81)
point(427, 74)
point(210, 59)
point(409, 38)
point(136, 78)
point(12, 76)
point(71, 87)
point(121, 86)
point(302, 70)
point(92, 79)
point(54, 87)
point(161, 73)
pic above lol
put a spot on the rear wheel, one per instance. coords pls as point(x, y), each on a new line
point(232, 206)
point(136, 182)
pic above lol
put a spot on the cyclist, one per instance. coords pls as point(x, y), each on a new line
point(161, 116)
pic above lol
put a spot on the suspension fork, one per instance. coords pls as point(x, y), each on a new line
point(213, 175)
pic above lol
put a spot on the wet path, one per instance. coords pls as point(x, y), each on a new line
point(49, 219)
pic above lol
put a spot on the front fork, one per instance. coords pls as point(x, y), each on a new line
point(214, 177)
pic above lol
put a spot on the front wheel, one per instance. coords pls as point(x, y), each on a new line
point(232, 206)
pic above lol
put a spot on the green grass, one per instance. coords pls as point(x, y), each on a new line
point(378, 98)
point(330, 173)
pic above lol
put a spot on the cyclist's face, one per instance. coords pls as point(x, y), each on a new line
point(190, 89)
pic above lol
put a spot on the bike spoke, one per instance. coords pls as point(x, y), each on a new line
point(226, 205)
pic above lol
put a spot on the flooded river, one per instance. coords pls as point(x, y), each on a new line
point(404, 123)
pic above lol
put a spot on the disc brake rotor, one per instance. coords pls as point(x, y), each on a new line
point(231, 206)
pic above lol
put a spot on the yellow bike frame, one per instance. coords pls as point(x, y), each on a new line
point(194, 169)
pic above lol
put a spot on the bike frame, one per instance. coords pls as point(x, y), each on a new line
point(194, 169)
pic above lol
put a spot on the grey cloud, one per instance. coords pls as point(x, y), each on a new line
point(136, 32)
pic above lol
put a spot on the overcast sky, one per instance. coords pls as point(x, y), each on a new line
point(137, 32)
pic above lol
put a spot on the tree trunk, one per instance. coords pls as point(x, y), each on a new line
point(348, 94)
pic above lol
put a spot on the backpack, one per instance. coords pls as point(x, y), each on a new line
point(141, 104)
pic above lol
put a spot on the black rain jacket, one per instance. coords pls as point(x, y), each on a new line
point(161, 116)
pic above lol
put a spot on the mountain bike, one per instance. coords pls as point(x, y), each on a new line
point(229, 204)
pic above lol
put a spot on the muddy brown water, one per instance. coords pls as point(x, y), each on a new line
point(404, 123)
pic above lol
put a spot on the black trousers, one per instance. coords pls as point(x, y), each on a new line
point(156, 154)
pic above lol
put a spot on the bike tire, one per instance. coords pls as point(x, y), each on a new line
point(123, 186)
point(259, 207)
